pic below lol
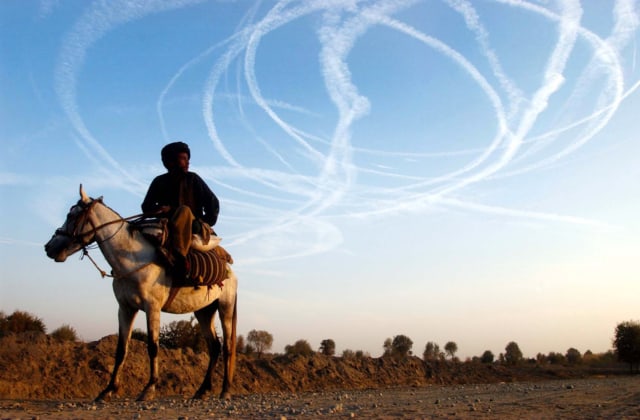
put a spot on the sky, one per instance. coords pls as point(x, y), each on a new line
point(449, 170)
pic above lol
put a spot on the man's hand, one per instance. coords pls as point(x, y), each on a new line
point(163, 209)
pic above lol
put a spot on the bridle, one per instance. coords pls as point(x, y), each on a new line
point(84, 238)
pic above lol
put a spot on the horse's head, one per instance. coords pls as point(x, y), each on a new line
point(76, 233)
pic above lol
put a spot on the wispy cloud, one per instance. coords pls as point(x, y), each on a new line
point(100, 18)
point(284, 211)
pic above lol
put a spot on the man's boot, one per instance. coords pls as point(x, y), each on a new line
point(180, 266)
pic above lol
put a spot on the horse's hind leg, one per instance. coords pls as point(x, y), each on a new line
point(125, 324)
point(205, 317)
point(229, 319)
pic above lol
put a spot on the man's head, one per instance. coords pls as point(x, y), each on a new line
point(176, 156)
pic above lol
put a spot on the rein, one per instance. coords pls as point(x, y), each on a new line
point(94, 230)
point(103, 274)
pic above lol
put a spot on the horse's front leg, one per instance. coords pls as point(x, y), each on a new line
point(153, 333)
point(125, 324)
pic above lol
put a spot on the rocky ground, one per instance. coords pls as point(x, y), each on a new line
point(44, 378)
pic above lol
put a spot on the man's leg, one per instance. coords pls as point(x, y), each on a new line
point(180, 226)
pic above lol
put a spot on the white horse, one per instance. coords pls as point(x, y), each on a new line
point(140, 282)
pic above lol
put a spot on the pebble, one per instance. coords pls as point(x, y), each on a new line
point(437, 402)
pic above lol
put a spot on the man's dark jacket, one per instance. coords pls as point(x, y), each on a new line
point(178, 188)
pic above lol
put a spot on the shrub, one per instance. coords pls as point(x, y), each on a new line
point(573, 356)
point(138, 334)
point(512, 354)
point(65, 333)
point(451, 348)
point(401, 346)
point(348, 354)
point(240, 344)
point(555, 358)
point(627, 343)
point(431, 351)
point(487, 357)
point(361, 354)
point(299, 348)
point(182, 334)
point(328, 347)
point(260, 341)
point(19, 322)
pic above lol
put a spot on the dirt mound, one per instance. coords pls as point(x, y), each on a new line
point(35, 366)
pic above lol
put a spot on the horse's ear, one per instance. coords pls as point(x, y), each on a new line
point(83, 195)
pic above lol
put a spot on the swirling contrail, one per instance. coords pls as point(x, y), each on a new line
point(100, 18)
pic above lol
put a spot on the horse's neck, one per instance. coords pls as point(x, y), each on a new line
point(115, 240)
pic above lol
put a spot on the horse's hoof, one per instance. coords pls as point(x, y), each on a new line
point(147, 395)
point(225, 396)
point(105, 396)
point(199, 396)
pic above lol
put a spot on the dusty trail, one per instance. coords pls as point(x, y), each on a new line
point(567, 399)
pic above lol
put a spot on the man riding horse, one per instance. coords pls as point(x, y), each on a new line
point(185, 200)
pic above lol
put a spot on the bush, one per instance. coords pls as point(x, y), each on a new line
point(573, 356)
point(260, 341)
point(451, 348)
point(555, 358)
point(19, 322)
point(627, 343)
point(65, 333)
point(401, 346)
point(240, 344)
point(431, 351)
point(299, 348)
point(348, 354)
point(182, 334)
point(487, 357)
point(138, 334)
point(328, 347)
point(512, 353)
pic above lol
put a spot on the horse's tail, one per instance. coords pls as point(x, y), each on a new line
point(232, 356)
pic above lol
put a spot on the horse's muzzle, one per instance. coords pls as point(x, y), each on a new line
point(56, 248)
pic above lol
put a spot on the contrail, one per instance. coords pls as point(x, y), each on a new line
point(274, 19)
point(605, 58)
point(502, 132)
point(553, 79)
point(329, 188)
point(515, 95)
point(282, 208)
point(247, 17)
point(100, 18)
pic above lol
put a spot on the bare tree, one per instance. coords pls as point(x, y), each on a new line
point(260, 341)
point(431, 351)
point(451, 348)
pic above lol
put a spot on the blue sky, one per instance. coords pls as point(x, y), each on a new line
point(449, 170)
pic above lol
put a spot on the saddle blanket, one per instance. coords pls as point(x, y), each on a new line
point(209, 268)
